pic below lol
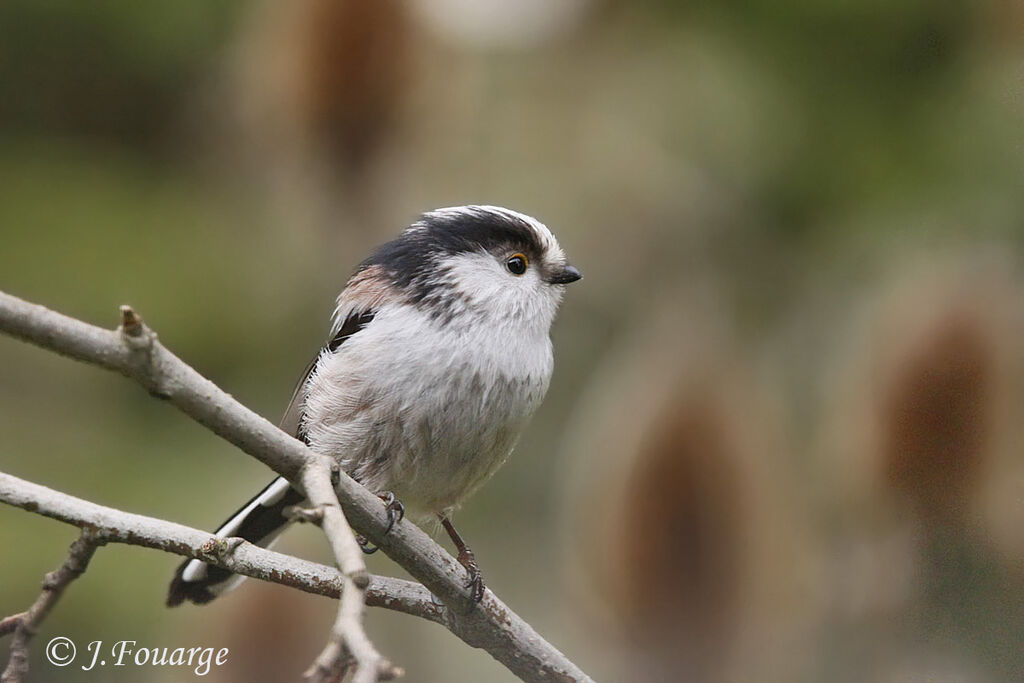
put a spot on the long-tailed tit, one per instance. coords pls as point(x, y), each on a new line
point(439, 353)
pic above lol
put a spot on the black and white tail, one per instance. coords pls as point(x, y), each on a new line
point(260, 521)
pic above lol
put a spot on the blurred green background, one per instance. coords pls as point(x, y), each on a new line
point(782, 441)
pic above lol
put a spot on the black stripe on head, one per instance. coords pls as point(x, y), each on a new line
point(413, 256)
point(473, 228)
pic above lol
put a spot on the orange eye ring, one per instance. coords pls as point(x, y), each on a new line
point(517, 263)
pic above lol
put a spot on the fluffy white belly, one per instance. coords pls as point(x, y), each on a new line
point(424, 409)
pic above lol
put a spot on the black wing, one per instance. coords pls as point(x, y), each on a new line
point(292, 420)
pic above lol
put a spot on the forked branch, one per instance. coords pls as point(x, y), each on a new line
point(26, 624)
point(133, 350)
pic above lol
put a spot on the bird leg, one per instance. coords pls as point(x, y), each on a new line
point(475, 580)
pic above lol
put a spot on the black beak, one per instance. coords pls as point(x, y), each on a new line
point(564, 275)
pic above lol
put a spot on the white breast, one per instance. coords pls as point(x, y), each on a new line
point(427, 409)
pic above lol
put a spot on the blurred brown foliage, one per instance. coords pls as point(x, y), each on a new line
point(937, 416)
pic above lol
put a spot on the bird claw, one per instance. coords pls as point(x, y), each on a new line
point(394, 509)
point(396, 513)
point(474, 579)
point(364, 545)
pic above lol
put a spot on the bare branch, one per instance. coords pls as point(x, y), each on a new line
point(115, 526)
point(108, 525)
point(348, 639)
point(27, 623)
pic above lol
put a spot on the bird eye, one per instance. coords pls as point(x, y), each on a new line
point(517, 264)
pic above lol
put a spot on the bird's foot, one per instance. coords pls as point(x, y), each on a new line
point(365, 546)
point(474, 579)
point(395, 511)
point(394, 508)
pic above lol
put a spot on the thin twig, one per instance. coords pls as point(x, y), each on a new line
point(26, 624)
point(134, 351)
point(348, 640)
point(116, 526)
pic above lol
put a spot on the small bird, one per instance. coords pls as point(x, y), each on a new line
point(439, 354)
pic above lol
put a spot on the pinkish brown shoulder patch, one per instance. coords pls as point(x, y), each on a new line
point(368, 289)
